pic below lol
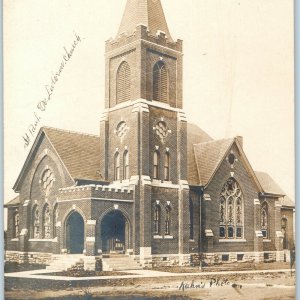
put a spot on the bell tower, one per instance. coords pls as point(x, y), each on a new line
point(143, 128)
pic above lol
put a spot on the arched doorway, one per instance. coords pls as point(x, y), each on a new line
point(114, 232)
point(75, 233)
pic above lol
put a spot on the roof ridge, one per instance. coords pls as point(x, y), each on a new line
point(214, 141)
point(70, 131)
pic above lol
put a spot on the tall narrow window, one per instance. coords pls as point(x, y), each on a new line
point(284, 232)
point(16, 225)
point(36, 222)
point(167, 167)
point(123, 83)
point(156, 165)
point(157, 213)
point(55, 220)
point(231, 220)
point(117, 166)
point(168, 220)
point(46, 223)
point(160, 82)
point(264, 220)
point(126, 165)
point(191, 208)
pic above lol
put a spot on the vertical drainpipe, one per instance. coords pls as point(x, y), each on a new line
point(201, 190)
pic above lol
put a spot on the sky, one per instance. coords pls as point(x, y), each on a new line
point(238, 73)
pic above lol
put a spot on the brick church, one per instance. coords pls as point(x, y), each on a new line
point(151, 186)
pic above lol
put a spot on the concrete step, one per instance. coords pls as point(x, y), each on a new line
point(64, 262)
point(120, 263)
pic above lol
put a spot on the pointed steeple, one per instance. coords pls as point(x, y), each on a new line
point(146, 12)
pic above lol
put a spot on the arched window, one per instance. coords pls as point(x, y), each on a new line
point(55, 220)
point(284, 229)
point(167, 167)
point(46, 223)
point(16, 225)
point(264, 220)
point(191, 208)
point(160, 82)
point(123, 83)
point(126, 165)
point(168, 220)
point(157, 213)
point(231, 214)
point(36, 222)
point(117, 166)
point(156, 165)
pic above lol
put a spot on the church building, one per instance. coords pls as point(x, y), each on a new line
point(151, 186)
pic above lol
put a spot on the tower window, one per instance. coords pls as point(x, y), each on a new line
point(126, 165)
point(156, 165)
point(117, 166)
point(123, 83)
point(160, 82)
point(167, 167)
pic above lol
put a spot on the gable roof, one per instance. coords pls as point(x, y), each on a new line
point(78, 151)
point(268, 184)
point(208, 157)
point(195, 135)
point(147, 12)
point(287, 202)
point(14, 202)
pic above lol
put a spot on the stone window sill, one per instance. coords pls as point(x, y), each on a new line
point(192, 240)
point(266, 241)
point(40, 240)
point(15, 240)
point(169, 237)
point(232, 241)
point(157, 237)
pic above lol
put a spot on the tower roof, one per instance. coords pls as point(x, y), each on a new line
point(146, 12)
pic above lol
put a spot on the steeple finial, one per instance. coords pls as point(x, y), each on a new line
point(146, 12)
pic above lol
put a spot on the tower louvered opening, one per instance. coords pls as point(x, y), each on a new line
point(160, 82)
point(123, 83)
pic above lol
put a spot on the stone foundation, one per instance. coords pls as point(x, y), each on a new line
point(28, 257)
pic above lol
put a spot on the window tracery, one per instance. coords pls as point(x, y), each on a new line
point(231, 210)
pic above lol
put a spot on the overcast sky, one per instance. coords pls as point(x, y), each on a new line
point(238, 72)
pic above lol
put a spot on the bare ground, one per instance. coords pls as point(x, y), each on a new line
point(241, 286)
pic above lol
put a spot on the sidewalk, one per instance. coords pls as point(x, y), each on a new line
point(39, 274)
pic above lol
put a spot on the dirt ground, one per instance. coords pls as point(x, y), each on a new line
point(269, 286)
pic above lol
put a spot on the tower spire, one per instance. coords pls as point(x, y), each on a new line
point(147, 12)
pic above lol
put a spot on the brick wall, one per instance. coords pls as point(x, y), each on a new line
point(211, 216)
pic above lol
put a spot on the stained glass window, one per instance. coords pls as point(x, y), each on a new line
point(231, 213)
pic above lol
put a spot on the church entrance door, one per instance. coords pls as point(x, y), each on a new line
point(114, 232)
point(75, 233)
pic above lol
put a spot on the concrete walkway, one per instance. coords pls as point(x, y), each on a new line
point(40, 274)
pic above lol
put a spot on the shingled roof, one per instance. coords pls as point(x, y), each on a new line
point(195, 135)
point(146, 12)
point(14, 202)
point(268, 184)
point(208, 157)
point(79, 152)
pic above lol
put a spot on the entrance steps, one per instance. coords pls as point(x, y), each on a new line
point(119, 262)
point(62, 262)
